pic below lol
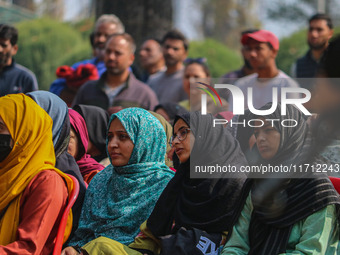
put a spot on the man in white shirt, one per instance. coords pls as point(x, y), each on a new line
point(262, 47)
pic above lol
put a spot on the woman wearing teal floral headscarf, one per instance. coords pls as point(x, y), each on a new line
point(122, 196)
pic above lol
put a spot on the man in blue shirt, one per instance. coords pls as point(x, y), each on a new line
point(105, 26)
point(320, 31)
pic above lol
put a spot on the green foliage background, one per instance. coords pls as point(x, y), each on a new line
point(45, 44)
point(221, 59)
point(294, 47)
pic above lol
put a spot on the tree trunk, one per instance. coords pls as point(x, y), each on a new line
point(142, 18)
point(224, 20)
point(27, 4)
point(51, 8)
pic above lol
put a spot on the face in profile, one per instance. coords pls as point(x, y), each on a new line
point(73, 144)
point(119, 146)
point(163, 113)
point(4, 131)
point(183, 140)
point(150, 54)
point(267, 139)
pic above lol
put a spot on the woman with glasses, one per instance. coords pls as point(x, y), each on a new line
point(195, 214)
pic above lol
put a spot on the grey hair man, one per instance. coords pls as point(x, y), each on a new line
point(105, 26)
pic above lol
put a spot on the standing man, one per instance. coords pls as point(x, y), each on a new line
point(319, 32)
point(262, 47)
point(246, 69)
point(105, 26)
point(14, 78)
point(117, 87)
point(151, 59)
point(169, 85)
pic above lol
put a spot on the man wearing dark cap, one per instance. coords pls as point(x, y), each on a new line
point(262, 48)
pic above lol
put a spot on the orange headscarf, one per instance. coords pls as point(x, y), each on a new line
point(31, 130)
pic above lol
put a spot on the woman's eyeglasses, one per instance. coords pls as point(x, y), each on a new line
point(181, 135)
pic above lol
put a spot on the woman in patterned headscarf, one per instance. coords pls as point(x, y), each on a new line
point(122, 196)
point(33, 193)
point(286, 215)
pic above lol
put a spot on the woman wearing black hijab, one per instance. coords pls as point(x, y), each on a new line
point(191, 212)
point(326, 102)
point(96, 120)
point(286, 215)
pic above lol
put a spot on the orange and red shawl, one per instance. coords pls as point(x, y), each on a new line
point(31, 130)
